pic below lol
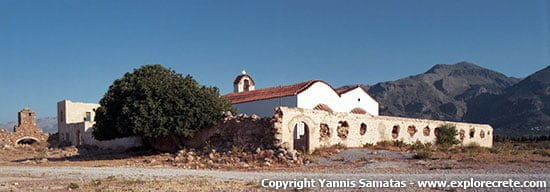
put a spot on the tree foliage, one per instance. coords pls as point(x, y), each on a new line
point(447, 135)
point(155, 102)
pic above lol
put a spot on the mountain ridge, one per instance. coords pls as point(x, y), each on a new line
point(463, 92)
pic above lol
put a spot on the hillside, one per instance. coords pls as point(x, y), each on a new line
point(441, 93)
point(523, 109)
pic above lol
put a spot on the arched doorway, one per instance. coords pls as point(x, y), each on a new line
point(26, 141)
point(301, 136)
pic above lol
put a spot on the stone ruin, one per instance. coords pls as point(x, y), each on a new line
point(25, 132)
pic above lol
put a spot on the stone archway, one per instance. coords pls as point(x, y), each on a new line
point(26, 140)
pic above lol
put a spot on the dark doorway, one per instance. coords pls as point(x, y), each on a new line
point(27, 141)
point(301, 136)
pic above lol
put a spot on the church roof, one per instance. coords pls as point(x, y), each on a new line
point(346, 89)
point(269, 93)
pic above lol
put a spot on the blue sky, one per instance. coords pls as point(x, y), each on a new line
point(74, 49)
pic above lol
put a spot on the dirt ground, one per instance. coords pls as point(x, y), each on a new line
point(37, 168)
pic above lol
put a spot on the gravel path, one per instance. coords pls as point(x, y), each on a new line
point(170, 173)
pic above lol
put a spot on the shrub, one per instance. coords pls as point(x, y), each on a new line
point(399, 143)
point(156, 102)
point(423, 155)
point(367, 145)
point(73, 186)
point(447, 136)
point(384, 143)
point(419, 146)
point(542, 152)
point(237, 149)
point(473, 148)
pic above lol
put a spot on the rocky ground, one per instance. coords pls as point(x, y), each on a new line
point(36, 168)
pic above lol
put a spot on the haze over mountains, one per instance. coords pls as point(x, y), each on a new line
point(467, 92)
point(47, 124)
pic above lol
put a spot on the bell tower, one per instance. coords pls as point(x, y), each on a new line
point(243, 83)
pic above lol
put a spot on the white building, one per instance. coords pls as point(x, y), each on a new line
point(314, 94)
point(75, 123)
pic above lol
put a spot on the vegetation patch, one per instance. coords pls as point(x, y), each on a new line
point(446, 137)
point(423, 155)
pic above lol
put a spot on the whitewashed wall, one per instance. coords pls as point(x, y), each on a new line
point(358, 98)
point(320, 93)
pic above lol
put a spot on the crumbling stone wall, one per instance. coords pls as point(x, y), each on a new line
point(26, 129)
point(355, 130)
point(242, 131)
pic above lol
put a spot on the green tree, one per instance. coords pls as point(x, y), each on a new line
point(447, 135)
point(155, 102)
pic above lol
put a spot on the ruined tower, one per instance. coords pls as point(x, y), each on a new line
point(26, 121)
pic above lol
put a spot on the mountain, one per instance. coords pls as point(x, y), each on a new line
point(47, 124)
point(522, 110)
point(442, 92)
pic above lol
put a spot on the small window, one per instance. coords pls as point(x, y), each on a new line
point(412, 130)
point(358, 99)
point(246, 85)
point(88, 116)
point(343, 129)
point(395, 131)
point(363, 129)
point(324, 131)
point(427, 131)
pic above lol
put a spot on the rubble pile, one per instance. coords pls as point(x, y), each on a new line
point(191, 158)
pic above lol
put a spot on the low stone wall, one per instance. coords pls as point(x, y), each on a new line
point(247, 132)
point(354, 130)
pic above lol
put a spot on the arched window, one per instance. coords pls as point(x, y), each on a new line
point(324, 131)
point(462, 134)
point(363, 129)
point(472, 133)
point(411, 130)
point(482, 134)
point(343, 129)
point(395, 131)
point(246, 85)
point(426, 131)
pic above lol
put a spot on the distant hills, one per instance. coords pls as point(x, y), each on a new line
point(47, 124)
point(523, 109)
point(467, 92)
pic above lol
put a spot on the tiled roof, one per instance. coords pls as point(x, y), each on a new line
point(345, 89)
point(269, 93)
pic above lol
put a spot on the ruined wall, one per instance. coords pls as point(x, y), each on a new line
point(355, 130)
point(26, 129)
point(248, 132)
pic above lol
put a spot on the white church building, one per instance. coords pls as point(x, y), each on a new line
point(313, 94)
